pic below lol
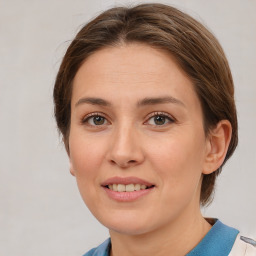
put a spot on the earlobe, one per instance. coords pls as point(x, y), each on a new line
point(71, 169)
point(217, 145)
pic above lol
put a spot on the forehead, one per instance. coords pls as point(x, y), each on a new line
point(131, 70)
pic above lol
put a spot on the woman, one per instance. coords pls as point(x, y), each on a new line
point(144, 99)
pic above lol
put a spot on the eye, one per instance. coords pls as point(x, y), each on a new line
point(160, 119)
point(94, 120)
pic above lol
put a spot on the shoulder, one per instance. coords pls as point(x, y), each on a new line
point(243, 246)
point(101, 250)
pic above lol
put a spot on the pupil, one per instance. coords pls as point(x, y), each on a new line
point(98, 120)
point(160, 120)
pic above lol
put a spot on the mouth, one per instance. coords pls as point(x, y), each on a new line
point(128, 187)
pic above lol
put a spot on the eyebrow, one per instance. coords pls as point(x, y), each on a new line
point(93, 101)
point(143, 102)
point(159, 100)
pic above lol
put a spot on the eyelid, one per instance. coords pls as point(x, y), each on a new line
point(86, 117)
point(155, 113)
point(160, 113)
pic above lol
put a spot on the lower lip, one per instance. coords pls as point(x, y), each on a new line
point(127, 196)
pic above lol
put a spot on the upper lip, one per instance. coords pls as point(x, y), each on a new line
point(126, 181)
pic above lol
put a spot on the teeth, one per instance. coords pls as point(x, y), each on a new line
point(143, 187)
point(126, 188)
point(129, 188)
point(120, 187)
point(137, 187)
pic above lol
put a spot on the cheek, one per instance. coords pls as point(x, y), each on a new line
point(179, 162)
point(178, 151)
point(86, 156)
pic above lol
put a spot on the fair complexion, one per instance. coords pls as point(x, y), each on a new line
point(136, 119)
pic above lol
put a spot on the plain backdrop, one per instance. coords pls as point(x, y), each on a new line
point(41, 212)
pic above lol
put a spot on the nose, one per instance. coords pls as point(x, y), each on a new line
point(125, 149)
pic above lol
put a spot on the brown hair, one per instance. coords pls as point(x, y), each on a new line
point(196, 50)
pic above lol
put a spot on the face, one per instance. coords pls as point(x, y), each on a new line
point(137, 143)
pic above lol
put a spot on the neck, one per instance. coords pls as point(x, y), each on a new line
point(176, 239)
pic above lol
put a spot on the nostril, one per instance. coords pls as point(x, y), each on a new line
point(123, 164)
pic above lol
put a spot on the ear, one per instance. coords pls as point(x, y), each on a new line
point(217, 145)
point(71, 168)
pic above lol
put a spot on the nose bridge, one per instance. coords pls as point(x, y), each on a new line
point(125, 148)
point(123, 137)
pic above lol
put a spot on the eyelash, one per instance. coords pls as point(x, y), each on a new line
point(91, 115)
point(161, 114)
point(86, 119)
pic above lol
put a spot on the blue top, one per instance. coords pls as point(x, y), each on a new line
point(218, 241)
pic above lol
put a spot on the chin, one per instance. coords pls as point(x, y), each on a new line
point(130, 230)
point(127, 224)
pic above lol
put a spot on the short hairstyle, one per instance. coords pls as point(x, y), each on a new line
point(196, 50)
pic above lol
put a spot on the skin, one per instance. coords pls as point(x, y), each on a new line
point(172, 156)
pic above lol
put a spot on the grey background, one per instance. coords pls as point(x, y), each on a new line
point(41, 212)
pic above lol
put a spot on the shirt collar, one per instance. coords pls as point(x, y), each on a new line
point(103, 249)
point(218, 241)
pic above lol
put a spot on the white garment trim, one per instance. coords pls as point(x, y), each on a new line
point(241, 248)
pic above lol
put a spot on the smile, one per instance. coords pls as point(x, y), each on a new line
point(128, 188)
